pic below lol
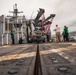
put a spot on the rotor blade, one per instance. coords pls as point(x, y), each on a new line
point(39, 15)
point(51, 16)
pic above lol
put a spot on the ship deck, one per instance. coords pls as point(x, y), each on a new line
point(38, 59)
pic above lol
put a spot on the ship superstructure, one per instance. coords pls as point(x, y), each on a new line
point(13, 23)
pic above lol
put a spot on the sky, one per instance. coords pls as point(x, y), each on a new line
point(65, 10)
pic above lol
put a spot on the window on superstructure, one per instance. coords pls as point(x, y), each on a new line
point(8, 26)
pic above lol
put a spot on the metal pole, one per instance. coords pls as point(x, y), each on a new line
point(2, 39)
point(27, 34)
point(3, 30)
point(7, 30)
point(17, 35)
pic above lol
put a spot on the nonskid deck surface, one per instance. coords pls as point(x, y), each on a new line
point(17, 60)
point(38, 59)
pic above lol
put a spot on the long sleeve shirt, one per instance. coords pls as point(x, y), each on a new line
point(57, 29)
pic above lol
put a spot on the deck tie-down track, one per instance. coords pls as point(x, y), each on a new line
point(36, 59)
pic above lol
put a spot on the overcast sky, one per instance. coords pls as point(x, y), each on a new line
point(65, 10)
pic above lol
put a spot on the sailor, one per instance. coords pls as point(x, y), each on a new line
point(57, 31)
